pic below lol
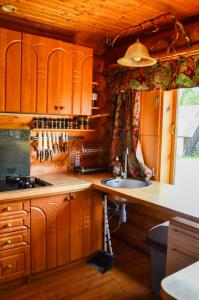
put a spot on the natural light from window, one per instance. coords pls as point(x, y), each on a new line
point(187, 150)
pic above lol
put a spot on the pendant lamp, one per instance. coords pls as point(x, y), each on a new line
point(137, 55)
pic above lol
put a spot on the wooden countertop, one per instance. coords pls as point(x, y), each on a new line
point(181, 200)
point(183, 284)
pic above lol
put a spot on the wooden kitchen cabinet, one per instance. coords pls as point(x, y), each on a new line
point(85, 223)
point(183, 244)
point(14, 240)
point(49, 232)
point(44, 76)
point(65, 228)
point(10, 70)
point(82, 59)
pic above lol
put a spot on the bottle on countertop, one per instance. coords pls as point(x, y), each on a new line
point(117, 168)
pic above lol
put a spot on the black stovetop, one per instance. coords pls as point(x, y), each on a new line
point(11, 183)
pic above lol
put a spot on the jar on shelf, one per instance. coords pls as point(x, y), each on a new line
point(82, 122)
point(94, 96)
point(86, 123)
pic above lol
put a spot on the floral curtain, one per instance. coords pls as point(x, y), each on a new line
point(178, 73)
point(126, 121)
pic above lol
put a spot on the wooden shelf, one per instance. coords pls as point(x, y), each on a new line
point(61, 129)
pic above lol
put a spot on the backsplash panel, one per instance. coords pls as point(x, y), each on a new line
point(14, 152)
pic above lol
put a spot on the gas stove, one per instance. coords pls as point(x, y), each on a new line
point(21, 182)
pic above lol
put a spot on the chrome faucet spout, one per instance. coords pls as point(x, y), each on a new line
point(125, 174)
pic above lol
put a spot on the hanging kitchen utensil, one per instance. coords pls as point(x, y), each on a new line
point(64, 142)
point(66, 146)
point(57, 142)
point(50, 147)
point(40, 146)
point(46, 153)
point(54, 142)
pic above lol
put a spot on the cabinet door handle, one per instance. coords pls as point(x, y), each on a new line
point(62, 107)
point(67, 198)
point(186, 234)
point(72, 197)
point(8, 242)
point(8, 209)
point(8, 225)
point(56, 107)
point(9, 266)
point(182, 253)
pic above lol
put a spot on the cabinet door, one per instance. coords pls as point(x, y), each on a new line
point(49, 232)
point(85, 224)
point(46, 76)
point(82, 80)
point(10, 70)
point(59, 78)
point(33, 78)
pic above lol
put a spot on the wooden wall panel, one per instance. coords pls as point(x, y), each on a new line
point(139, 220)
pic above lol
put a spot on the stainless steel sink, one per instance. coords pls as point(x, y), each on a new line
point(126, 183)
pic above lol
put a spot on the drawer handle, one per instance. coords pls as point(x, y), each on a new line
point(7, 209)
point(8, 242)
point(183, 253)
point(56, 107)
point(8, 225)
point(62, 107)
point(185, 234)
point(9, 266)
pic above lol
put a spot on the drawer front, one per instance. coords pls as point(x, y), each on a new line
point(13, 225)
point(185, 239)
point(11, 208)
point(14, 240)
point(179, 258)
point(14, 264)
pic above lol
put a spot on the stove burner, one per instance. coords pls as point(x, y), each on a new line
point(24, 182)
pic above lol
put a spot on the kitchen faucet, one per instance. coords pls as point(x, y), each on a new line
point(125, 173)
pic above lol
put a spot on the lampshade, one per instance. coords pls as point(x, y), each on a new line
point(137, 55)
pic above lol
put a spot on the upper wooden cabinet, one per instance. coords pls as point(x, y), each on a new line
point(10, 70)
point(82, 59)
point(44, 76)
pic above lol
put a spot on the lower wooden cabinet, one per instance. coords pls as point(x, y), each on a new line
point(49, 232)
point(43, 233)
point(14, 263)
point(65, 228)
point(85, 224)
point(183, 244)
point(14, 240)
